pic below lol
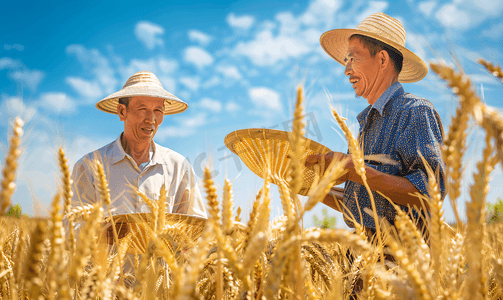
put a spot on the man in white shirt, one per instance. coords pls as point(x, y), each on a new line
point(134, 160)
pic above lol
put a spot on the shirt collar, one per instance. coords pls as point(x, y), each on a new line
point(384, 98)
point(117, 152)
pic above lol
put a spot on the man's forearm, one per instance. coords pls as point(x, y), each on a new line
point(394, 187)
point(333, 202)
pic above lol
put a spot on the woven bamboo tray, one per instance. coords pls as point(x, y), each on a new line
point(191, 226)
point(261, 149)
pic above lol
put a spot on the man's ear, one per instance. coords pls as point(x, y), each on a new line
point(384, 58)
point(121, 111)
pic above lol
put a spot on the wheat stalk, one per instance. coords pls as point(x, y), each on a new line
point(359, 165)
point(34, 262)
point(10, 167)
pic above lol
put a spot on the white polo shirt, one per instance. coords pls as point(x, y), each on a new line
point(165, 167)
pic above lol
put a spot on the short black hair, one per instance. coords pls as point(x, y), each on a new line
point(125, 101)
point(374, 46)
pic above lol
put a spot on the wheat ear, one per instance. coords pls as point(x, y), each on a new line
point(162, 209)
point(211, 196)
point(227, 200)
point(297, 147)
point(34, 262)
point(334, 171)
point(83, 250)
point(476, 227)
point(67, 197)
point(493, 69)
point(214, 211)
point(252, 220)
point(66, 180)
point(454, 145)
point(420, 288)
point(55, 262)
point(10, 167)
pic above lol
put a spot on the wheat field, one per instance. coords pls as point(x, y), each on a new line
point(48, 259)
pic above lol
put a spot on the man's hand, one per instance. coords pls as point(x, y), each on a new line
point(316, 159)
point(122, 230)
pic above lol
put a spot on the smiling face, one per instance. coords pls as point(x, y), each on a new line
point(363, 70)
point(141, 117)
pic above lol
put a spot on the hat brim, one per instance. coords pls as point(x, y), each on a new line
point(172, 104)
point(335, 43)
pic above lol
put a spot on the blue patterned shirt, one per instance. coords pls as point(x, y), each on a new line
point(399, 126)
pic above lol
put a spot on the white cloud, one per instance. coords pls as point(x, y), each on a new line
point(58, 102)
point(265, 97)
point(484, 79)
point(321, 12)
point(98, 64)
point(199, 37)
point(186, 126)
point(229, 71)
point(17, 47)
point(198, 57)
point(495, 32)
point(9, 63)
point(190, 82)
point(167, 66)
point(148, 33)
point(211, 104)
point(213, 81)
point(137, 65)
point(266, 49)
point(372, 7)
point(417, 42)
point(426, 7)
point(168, 83)
point(289, 36)
point(90, 91)
point(242, 22)
point(28, 78)
point(14, 106)
point(451, 15)
point(173, 131)
point(162, 67)
point(232, 107)
point(194, 121)
point(490, 8)
point(464, 14)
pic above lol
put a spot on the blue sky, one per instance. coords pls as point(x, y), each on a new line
point(235, 63)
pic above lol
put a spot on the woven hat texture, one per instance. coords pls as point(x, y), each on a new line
point(262, 149)
point(143, 84)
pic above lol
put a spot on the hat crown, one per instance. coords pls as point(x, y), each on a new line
point(143, 78)
point(384, 26)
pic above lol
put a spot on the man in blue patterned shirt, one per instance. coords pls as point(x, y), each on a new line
point(396, 125)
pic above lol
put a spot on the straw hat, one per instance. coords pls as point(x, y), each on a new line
point(143, 84)
point(385, 29)
point(267, 150)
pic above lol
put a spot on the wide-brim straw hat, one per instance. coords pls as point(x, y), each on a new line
point(385, 29)
point(143, 83)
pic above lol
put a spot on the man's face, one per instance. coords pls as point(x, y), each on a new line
point(362, 69)
point(142, 117)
